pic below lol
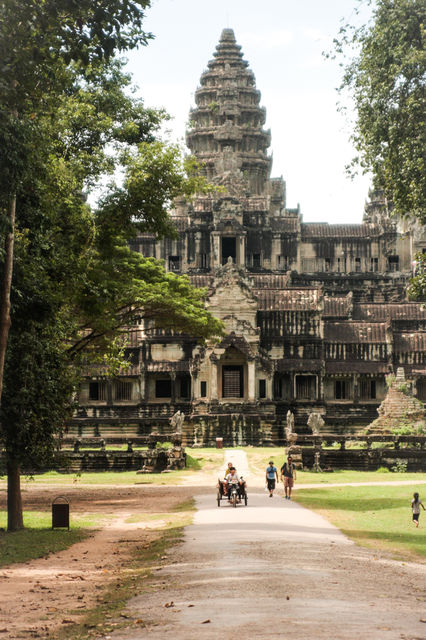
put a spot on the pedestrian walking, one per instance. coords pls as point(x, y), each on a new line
point(271, 474)
point(416, 503)
point(288, 472)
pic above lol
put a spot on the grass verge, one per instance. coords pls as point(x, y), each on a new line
point(109, 615)
point(259, 457)
point(202, 459)
point(375, 517)
point(38, 540)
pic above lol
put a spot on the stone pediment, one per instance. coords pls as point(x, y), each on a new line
point(232, 299)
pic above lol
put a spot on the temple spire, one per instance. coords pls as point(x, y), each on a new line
point(226, 125)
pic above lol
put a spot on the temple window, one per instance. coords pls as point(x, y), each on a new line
point(283, 262)
point(341, 389)
point(163, 388)
point(374, 264)
point(262, 388)
point(393, 263)
point(185, 387)
point(203, 260)
point(327, 264)
point(358, 265)
point(367, 389)
point(97, 391)
point(253, 260)
point(232, 381)
point(123, 390)
point(305, 387)
point(174, 263)
point(203, 388)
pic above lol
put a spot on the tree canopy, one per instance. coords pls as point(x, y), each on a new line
point(384, 71)
point(68, 119)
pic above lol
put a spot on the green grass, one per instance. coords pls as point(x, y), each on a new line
point(205, 459)
point(259, 457)
point(342, 475)
point(375, 517)
point(38, 540)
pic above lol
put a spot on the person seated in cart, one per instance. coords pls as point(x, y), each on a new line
point(223, 484)
point(233, 479)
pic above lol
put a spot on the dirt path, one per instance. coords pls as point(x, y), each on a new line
point(237, 568)
point(38, 596)
point(276, 570)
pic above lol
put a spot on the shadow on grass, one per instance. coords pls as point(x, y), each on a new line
point(415, 539)
point(344, 503)
point(28, 544)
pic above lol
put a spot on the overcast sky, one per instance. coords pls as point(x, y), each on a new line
point(283, 41)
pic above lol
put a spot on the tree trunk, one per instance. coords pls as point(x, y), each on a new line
point(5, 289)
point(14, 499)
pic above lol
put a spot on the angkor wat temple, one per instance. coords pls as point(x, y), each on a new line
point(316, 314)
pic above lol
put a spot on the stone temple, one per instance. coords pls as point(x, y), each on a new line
point(315, 313)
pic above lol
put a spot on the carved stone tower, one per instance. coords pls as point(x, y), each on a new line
point(226, 126)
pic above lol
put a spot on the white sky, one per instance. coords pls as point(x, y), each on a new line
point(283, 41)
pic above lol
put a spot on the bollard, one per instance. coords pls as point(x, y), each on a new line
point(61, 513)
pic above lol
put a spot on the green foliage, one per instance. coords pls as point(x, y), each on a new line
point(38, 540)
point(400, 466)
point(383, 470)
point(417, 285)
point(68, 121)
point(214, 107)
point(384, 74)
point(164, 445)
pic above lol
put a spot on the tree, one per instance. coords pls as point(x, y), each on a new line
point(37, 42)
point(417, 286)
point(385, 78)
point(76, 283)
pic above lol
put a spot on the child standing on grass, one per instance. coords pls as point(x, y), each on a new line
point(415, 505)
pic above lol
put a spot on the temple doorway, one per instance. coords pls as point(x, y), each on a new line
point(229, 249)
point(232, 381)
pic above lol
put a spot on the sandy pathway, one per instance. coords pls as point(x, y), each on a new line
point(276, 570)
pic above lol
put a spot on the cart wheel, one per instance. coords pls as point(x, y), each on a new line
point(245, 499)
point(218, 498)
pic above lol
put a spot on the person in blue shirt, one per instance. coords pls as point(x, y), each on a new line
point(271, 474)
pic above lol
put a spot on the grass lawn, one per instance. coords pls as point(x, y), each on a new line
point(259, 457)
point(375, 517)
point(205, 459)
point(38, 540)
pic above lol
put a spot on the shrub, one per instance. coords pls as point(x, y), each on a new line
point(383, 470)
point(164, 445)
point(400, 466)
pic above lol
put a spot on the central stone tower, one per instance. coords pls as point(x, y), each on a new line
point(226, 131)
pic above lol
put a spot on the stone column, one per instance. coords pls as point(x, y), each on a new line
point(251, 382)
point(143, 386)
point(173, 386)
point(213, 381)
point(355, 382)
point(269, 387)
point(215, 250)
point(241, 251)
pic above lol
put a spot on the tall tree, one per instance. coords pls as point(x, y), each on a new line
point(76, 282)
point(37, 42)
point(385, 66)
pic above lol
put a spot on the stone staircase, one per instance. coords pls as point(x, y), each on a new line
point(399, 408)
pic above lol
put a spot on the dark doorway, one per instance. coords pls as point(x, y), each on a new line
point(421, 389)
point(229, 249)
point(232, 381)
